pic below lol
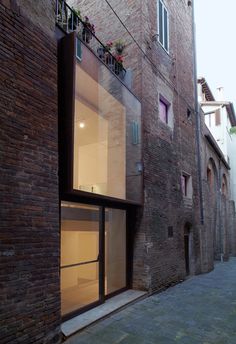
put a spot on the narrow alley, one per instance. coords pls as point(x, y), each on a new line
point(201, 310)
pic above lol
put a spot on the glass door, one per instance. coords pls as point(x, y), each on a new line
point(115, 250)
point(80, 259)
point(93, 255)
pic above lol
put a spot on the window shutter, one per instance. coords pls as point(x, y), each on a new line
point(217, 117)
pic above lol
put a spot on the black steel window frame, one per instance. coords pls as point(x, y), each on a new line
point(67, 69)
point(130, 216)
point(66, 92)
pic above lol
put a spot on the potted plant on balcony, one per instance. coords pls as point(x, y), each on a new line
point(119, 46)
point(73, 22)
point(118, 64)
point(104, 49)
point(88, 30)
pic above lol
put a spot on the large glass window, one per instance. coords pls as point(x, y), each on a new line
point(99, 139)
point(83, 231)
point(105, 153)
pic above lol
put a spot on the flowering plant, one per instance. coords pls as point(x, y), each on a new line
point(108, 45)
point(89, 25)
point(119, 46)
point(119, 59)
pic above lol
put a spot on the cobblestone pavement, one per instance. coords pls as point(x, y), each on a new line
point(201, 310)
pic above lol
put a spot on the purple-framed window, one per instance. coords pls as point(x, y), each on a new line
point(163, 110)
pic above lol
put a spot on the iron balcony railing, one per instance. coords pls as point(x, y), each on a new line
point(69, 21)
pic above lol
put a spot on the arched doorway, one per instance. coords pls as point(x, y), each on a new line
point(224, 186)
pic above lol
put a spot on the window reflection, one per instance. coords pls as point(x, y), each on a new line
point(99, 139)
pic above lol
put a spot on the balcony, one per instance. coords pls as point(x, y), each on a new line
point(68, 20)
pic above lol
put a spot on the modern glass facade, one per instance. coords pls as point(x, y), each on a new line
point(91, 243)
point(99, 139)
point(101, 164)
point(106, 149)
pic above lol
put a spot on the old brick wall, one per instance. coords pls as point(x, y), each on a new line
point(167, 150)
point(29, 229)
point(216, 232)
point(108, 28)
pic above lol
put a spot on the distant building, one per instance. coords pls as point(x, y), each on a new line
point(220, 119)
point(218, 173)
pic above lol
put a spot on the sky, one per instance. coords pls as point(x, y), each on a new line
point(216, 44)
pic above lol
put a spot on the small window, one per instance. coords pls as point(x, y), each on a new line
point(184, 181)
point(163, 111)
point(170, 232)
point(186, 184)
point(188, 114)
point(135, 133)
point(163, 25)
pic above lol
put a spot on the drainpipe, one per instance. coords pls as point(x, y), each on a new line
point(220, 219)
point(198, 119)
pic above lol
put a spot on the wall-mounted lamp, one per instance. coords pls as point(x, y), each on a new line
point(139, 166)
point(81, 124)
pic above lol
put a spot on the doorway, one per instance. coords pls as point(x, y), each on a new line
point(186, 253)
point(93, 255)
point(187, 228)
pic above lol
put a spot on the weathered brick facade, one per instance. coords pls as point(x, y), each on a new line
point(29, 229)
point(218, 233)
point(167, 150)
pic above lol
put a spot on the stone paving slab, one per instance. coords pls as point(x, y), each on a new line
point(201, 310)
point(83, 320)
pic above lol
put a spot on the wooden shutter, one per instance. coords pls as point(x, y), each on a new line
point(217, 117)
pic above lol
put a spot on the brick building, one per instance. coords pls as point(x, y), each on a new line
point(101, 169)
point(217, 170)
point(163, 79)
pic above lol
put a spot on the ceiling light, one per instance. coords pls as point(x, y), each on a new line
point(81, 125)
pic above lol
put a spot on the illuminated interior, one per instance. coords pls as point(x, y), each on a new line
point(80, 254)
point(115, 250)
point(99, 139)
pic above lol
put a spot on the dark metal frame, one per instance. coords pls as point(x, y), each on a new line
point(66, 94)
point(66, 127)
point(101, 264)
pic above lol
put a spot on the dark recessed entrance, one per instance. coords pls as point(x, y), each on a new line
point(187, 228)
point(186, 252)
